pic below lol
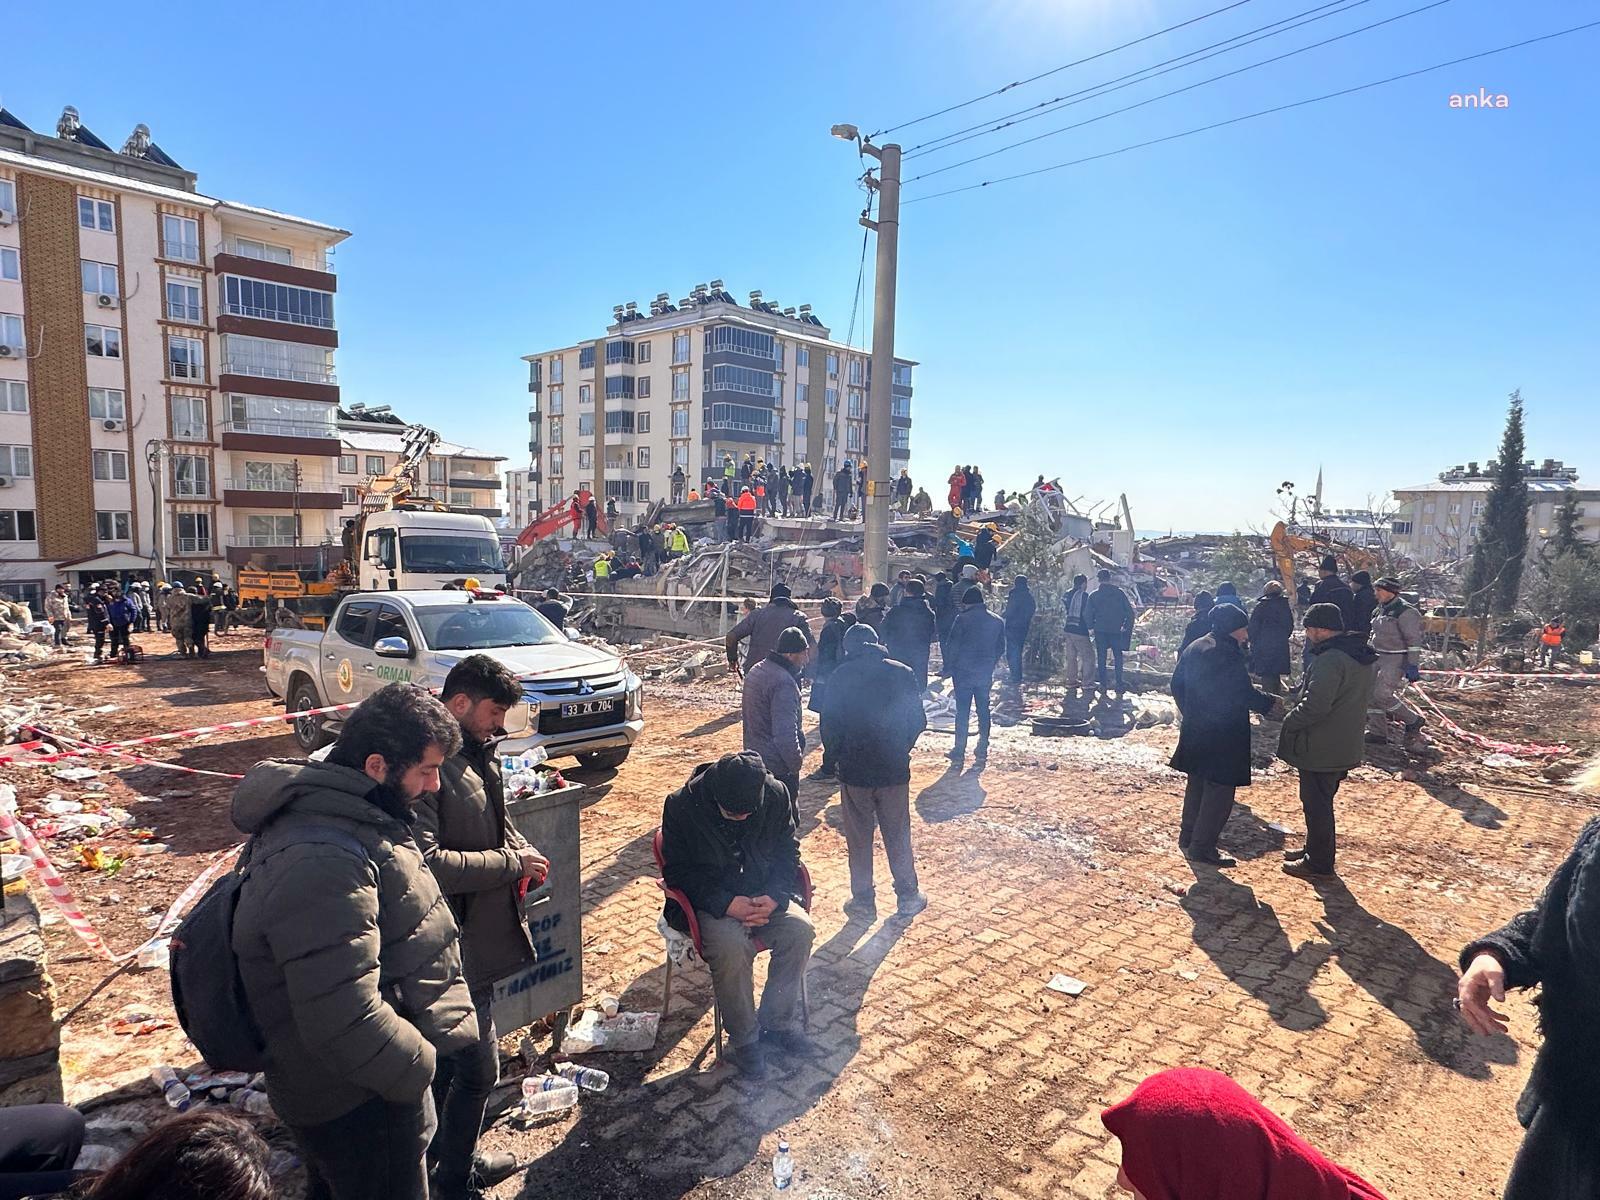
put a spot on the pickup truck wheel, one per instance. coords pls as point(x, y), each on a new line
point(604, 760)
point(308, 731)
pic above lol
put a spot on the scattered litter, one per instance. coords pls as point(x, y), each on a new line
point(1277, 827)
point(56, 806)
point(1177, 889)
point(1067, 985)
point(137, 1021)
point(625, 1031)
point(989, 937)
point(1505, 760)
point(75, 774)
point(602, 948)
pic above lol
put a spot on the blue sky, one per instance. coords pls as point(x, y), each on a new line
point(1356, 284)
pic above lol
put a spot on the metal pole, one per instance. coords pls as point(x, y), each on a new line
point(158, 452)
point(879, 435)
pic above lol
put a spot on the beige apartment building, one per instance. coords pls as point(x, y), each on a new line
point(684, 384)
point(372, 442)
point(167, 383)
point(1439, 521)
point(520, 507)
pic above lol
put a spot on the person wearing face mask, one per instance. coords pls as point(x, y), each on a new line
point(1215, 697)
point(1194, 1134)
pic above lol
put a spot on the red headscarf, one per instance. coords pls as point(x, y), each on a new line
point(1192, 1134)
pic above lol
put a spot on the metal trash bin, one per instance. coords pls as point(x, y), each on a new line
point(554, 913)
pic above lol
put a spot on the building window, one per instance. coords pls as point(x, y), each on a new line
point(586, 358)
point(97, 214)
point(833, 365)
point(557, 369)
point(619, 422)
point(680, 422)
point(286, 418)
point(438, 470)
point(855, 371)
point(461, 499)
point(802, 356)
point(270, 359)
point(680, 385)
point(555, 401)
point(642, 423)
point(183, 300)
point(585, 394)
point(680, 455)
point(680, 349)
point(272, 530)
point(13, 396)
point(900, 439)
point(268, 477)
point(16, 462)
point(1401, 527)
point(348, 493)
point(347, 464)
point(641, 388)
point(374, 464)
point(108, 404)
point(738, 340)
point(8, 197)
point(556, 464)
point(180, 238)
point(16, 525)
point(777, 354)
point(585, 459)
point(102, 341)
point(10, 264)
point(113, 526)
point(99, 279)
point(852, 440)
point(740, 417)
point(800, 427)
point(830, 397)
point(193, 532)
point(854, 409)
point(901, 375)
point(11, 333)
point(586, 424)
point(619, 352)
point(641, 352)
point(619, 387)
point(900, 406)
point(1427, 509)
point(110, 464)
point(277, 302)
point(555, 431)
point(724, 378)
point(644, 456)
point(186, 358)
point(263, 251)
point(188, 418)
point(641, 490)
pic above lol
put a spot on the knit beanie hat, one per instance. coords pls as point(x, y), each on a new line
point(738, 781)
point(1361, 578)
point(792, 641)
point(1389, 584)
point(780, 589)
point(972, 595)
point(1203, 603)
point(1225, 618)
point(858, 637)
point(1325, 616)
point(831, 607)
point(1329, 563)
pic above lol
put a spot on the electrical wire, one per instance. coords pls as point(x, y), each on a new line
point(1189, 87)
point(1044, 107)
point(861, 267)
point(1362, 87)
point(1055, 70)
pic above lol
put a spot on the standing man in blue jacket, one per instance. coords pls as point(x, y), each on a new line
point(1110, 619)
point(1018, 618)
point(974, 648)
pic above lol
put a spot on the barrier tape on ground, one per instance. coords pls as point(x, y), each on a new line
point(1486, 743)
point(77, 748)
point(60, 893)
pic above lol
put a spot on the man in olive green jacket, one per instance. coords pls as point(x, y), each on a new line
point(1324, 730)
point(482, 864)
point(347, 950)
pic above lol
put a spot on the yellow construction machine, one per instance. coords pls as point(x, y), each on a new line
point(1286, 545)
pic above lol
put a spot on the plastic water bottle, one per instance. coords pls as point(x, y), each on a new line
point(95, 1157)
point(590, 1079)
point(782, 1168)
point(172, 1088)
point(253, 1102)
point(548, 1094)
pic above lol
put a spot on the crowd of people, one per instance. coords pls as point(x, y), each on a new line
point(112, 613)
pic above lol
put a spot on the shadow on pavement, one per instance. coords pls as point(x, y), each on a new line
point(951, 795)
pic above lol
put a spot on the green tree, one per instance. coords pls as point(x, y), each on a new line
point(1495, 577)
point(1569, 585)
point(1565, 538)
point(1237, 559)
point(1039, 552)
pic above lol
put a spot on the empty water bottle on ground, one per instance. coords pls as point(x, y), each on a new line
point(590, 1079)
point(782, 1168)
point(253, 1102)
point(548, 1094)
point(172, 1089)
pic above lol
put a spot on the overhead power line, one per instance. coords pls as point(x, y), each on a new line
point(1172, 137)
point(1142, 75)
point(1189, 87)
point(1056, 70)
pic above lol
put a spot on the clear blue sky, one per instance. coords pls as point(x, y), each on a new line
point(1356, 284)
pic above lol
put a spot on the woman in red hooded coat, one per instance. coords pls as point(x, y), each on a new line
point(1192, 1134)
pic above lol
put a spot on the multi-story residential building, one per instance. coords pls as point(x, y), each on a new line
point(687, 383)
point(520, 506)
point(372, 441)
point(167, 384)
point(1439, 521)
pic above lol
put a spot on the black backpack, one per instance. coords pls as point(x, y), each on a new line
point(207, 989)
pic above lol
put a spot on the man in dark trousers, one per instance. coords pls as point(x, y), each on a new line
point(1018, 616)
point(1324, 731)
point(1364, 602)
point(873, 715)
point(1212, 688)
point(1331, 589)
point(764, 625)
point(844, 486)
point(1271, 626)
point(830, 653)
point(482, 864)
point(945, 606)
point(728, 843)
point(772, 709)
point(909, 629)
point(678, 480)
point(1111, 623)
point(975, 646)
point(591, 519)
point(1079, 643)
point(553, 609)
point(121, 613)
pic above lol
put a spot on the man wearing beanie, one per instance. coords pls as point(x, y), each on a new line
point(830, 653)
point(874, 606)
point(1111, 621)
point(1271, 627)
point(1331, 589)
point(909, 629)
point(1397, 640)
point(977, 642)
point(1364, 601)
point(772, 710)
point(1324, 730)
point(1215, 696)
point(872, 716)
point(764, 625)
point(728, 843)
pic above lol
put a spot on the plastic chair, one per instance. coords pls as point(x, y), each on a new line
point(676, 894)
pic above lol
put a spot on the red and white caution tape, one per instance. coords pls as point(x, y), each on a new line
point(12, 826)
point(1491, 744)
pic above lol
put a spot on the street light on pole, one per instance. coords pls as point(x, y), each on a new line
point(879, 436)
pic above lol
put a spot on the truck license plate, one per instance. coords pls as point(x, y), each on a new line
point(585, 708)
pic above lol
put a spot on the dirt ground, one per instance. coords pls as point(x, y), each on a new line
point(946, 1067)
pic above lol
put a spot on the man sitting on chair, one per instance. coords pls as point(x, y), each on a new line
point(728, 843)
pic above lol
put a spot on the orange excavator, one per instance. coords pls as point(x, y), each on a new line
point(568, 511)
point(1286, 545)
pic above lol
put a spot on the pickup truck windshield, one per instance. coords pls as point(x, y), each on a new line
point(450, 554)
point(484, 626)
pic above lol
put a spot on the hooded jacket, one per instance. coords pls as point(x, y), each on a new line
point(1363, 603)
point(763, 626)
point(352, 965)
point(712, 859)
point(1271, 626)
point(909, 629)
point(1333, 590)
point(1213, 691)
point(872, 716)
point(1326, 724)
point(1020, 607)
point(976, 642)
point(1397, 629)
point(772, 714)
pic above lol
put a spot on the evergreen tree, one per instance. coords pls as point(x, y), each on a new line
point(1495, 577)
point(1565, 539)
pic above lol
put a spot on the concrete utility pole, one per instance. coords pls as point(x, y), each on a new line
point(879, 397)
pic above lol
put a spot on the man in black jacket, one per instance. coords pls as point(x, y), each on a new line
point(728, 843)
point(1271, 626)
point(1364, 602)
point(1213, 691)
point(944, 604)
point(909, 629)
point(844, 486)
point(975, 646)
point(553, 609)
point(1331, 589)
point(764, 625)
point(1111, 621)
point(1018, 616)
point(873, 714)
point(830, 653)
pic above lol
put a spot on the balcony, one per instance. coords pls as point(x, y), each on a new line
point(261, 368)
point(254, 252)
point(186, 547)
point(468, 482)
point(281, 437)
point(180, 251)
point(272, 550)
point(281, 493)
point(276, 314)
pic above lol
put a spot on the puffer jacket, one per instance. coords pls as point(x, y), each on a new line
point(763, 626)
point(873, 714)
point(772, 715)
point(352, 965)
point(473, 851)
point(1325, 726)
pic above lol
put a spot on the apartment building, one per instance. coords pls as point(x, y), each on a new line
point(520, 506)
point(167, 383)
point(684, 384)
point(372, 442)
point(1438, 521)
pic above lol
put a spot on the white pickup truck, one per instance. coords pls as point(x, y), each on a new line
point(579, 701)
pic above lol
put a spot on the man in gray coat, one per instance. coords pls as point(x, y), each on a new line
point(764, 625)
point(349, 954)
point(1397, 638)
point(483, 865)
point(772, 711)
